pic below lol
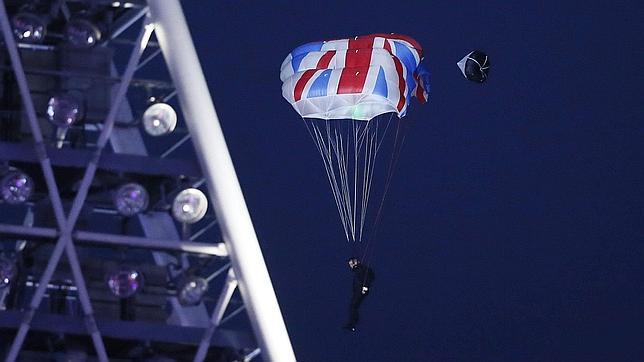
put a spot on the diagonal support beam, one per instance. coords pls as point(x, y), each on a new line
point(249, 357)
point(125, 21)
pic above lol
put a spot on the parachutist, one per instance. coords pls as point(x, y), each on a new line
point(475, 66)
point(363, 276)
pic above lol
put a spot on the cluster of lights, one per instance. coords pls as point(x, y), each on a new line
point(188, 207)
point(32, 28)
point(126, 5)
point(124, 282)
point(82, 33)
point(29, 27)
point(63, 111)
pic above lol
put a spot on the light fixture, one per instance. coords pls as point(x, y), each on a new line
point(189, 206)
point(28, 27)
point(159, 119)
point(125, 282)
point(8, 271)
point(191, 290)
point(63, 110)
point(131, 199)
point(82, 33)
point(16, 187)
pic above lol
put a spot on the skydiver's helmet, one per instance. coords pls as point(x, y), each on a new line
point(353, 262)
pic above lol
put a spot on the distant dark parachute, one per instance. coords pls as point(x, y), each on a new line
point(352, 95)
point(475, 66)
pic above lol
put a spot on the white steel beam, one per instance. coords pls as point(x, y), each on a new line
point(86, 237)
point(225, 192)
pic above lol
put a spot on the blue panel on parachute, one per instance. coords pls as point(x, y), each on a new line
point(319, 86)
point(407, 58)
point(300, 52)
point(381, 84)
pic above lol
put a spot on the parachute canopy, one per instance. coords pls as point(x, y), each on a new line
point(475, 66)
point(356, 78)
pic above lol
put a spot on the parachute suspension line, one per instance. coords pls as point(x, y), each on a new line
point(362, 140)
point(401, 133)
point(368, 171)
point(338, 181)
point(334, 180)
point(349, 149)
point(316, 135)
point(371, 156)
point(355, 172)
point(365, 158)
point(344, 173)
point(336, 142)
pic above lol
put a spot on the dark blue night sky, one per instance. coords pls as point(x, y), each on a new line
point(513, 231)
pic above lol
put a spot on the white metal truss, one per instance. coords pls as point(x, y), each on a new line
point(225, 192)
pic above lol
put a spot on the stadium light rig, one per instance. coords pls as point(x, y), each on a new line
point(131, 199)
point(29, 27)
point(159, 119)
point(82, 33)
point(191, 290)
point(16, 187)
point(64, 110)
point(125, 282)
point(189, 206)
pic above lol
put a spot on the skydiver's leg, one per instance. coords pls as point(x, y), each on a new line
point(354, 316)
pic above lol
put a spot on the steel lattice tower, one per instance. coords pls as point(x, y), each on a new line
point(55, 300)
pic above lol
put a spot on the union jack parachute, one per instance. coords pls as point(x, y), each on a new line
point(352, 95)
point(357, 78)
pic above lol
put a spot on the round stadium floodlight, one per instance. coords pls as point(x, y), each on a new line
point(16, 187)
point(28, 27)
point(125, 282)
point(189, 206)
point(63, 110)
point(159, 119)
point(82, 33)
point(8, 271)
point(131, 199)
point(191, 290)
